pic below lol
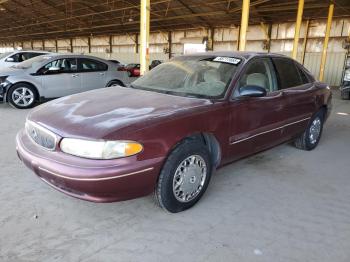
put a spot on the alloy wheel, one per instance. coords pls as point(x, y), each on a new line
point(23, 96)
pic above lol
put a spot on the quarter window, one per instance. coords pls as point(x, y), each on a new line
point(289, 75)
point(304, 78)
point(90, 65)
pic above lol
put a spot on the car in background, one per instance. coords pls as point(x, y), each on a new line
point(345, 84)
point(12, 58)
point(117, 62)
point(170, 129)
point(56, 75)
point(154, 64)
point(133, 70)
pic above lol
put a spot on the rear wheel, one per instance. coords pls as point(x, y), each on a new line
point(22, 96)
point(184, 177)
point(312, 134)
point(115, 83)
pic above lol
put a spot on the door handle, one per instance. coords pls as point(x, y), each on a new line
point(75, 75)
point(102, 74)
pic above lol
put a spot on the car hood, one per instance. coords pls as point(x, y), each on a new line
point(97, 114)
point(10, 71)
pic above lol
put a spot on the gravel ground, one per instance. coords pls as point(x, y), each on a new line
point(280, 205)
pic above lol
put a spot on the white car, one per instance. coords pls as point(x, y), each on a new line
point(56, 75)
point(12, 58)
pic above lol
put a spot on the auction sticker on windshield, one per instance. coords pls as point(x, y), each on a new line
point(230, 60)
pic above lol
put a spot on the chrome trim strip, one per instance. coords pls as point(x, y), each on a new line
point(265, 132)
point(96, 179)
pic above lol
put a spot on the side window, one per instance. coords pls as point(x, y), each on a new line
point(259, 72)
point(65, 65)
point(90, 65)
point(288, 73)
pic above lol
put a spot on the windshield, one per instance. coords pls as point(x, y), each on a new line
point(32, 62)
point(202, 77)
point(4, 55)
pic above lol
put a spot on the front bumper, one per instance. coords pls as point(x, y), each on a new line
point(92, 180)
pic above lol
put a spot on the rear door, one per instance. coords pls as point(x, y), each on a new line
point(93, 73)
point(62, 82)
point(298, 89)
point(256, 122)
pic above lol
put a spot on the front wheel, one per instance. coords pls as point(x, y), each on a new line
point(22, 96)
point(309, 139)
point(185, 176)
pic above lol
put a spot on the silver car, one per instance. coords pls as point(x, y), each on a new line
point(51, 76)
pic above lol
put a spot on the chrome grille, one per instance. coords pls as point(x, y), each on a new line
point(41, 135)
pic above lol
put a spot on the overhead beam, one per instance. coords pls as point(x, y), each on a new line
point(297, 29)
point(326, 39)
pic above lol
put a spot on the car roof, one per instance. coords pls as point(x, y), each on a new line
point(240, 54)
point(31, 51)
point(68, 55)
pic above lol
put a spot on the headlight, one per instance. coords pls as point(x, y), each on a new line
point(100, 149)
point(347, 75)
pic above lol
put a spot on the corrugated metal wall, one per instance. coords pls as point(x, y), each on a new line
point(123, 47)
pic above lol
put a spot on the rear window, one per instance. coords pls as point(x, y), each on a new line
point(90, 65)
point(288, 73)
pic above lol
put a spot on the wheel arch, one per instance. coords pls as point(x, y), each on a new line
point(210, 141)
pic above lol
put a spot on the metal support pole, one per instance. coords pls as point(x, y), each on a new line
point(169, 44)
point(144, 36)
point(307, 26)
point(89, 44)
point(71, 45)
point(297, 28)
point(137, 43)
point(110, 42)
point(325, 45)
point(56, 45)
point(244, 24)
point(43, 44)
point(239, 33)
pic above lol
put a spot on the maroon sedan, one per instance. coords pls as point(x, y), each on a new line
point(173, 127)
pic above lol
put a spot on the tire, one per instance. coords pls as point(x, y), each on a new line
point(22, 96)
point(309, 139)
point(190, 163)
point(115, 83)
point(345, 94)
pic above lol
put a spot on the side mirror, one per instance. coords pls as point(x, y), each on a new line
point(252, 91)
point(10, 59)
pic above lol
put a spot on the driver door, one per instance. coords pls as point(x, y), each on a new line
point(256, 122)
point(64, 81)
